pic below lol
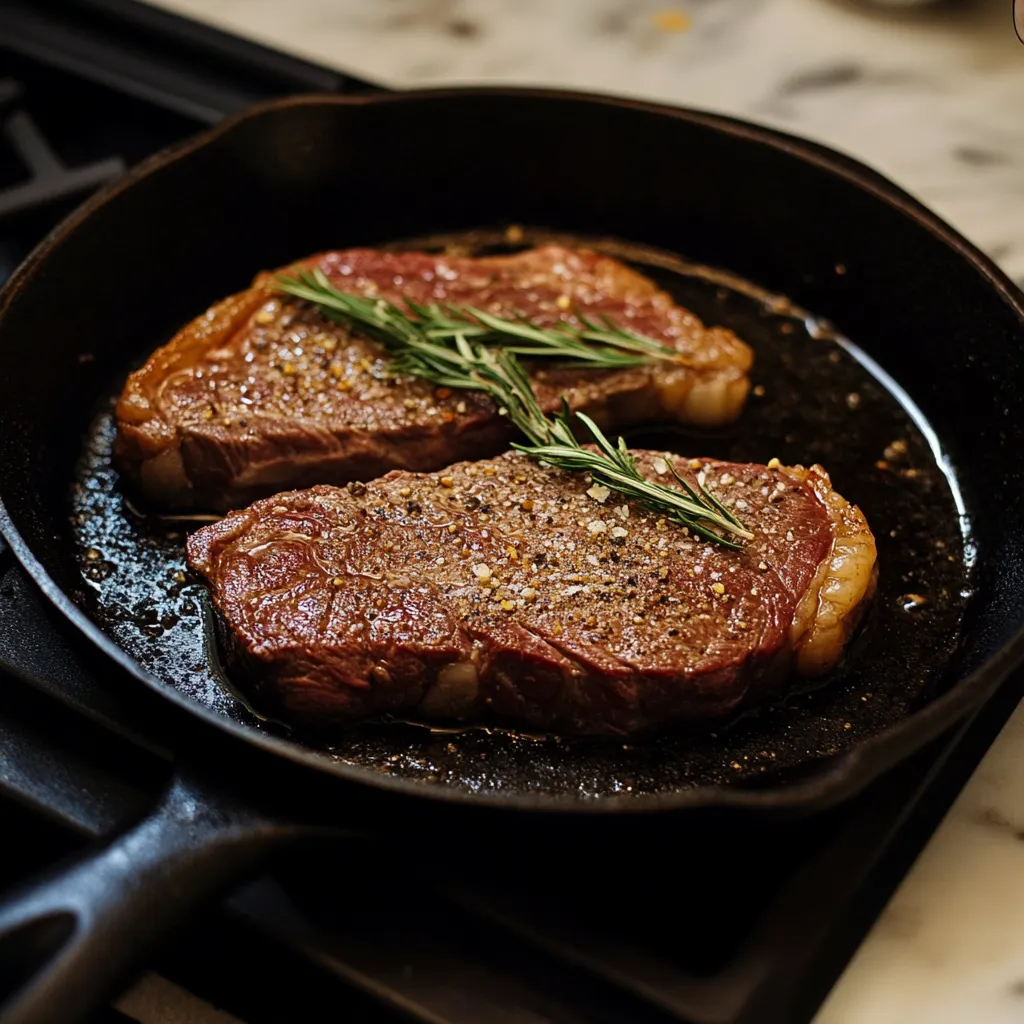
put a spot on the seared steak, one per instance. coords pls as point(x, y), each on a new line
point(505, 591)
point(263, 393)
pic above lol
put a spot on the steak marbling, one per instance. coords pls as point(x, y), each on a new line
point(262, 393)
point(503, 590)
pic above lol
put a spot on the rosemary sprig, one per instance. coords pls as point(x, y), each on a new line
point(429, 346)
point(603, 345)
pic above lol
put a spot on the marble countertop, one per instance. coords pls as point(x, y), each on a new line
point(932, 99)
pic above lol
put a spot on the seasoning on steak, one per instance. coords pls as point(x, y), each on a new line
point(505, 591)
point(263, 393)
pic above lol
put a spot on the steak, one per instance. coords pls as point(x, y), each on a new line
point(262, 393)
point(505, 591)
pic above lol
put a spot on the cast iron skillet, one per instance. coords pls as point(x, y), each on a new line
point(931, 316)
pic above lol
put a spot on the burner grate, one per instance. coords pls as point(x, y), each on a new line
point(88, 89)
point(49, 179)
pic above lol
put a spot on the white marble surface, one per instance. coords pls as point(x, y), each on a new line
point(934, 101)
point(931, 100)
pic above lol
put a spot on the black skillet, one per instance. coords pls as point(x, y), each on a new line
point(934, 365)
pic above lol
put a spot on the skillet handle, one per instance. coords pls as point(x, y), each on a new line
point(70, 941)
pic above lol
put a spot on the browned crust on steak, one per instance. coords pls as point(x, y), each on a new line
point(503, 591)
point(262, 393)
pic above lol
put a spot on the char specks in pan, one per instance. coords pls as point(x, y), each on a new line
point(798, 411)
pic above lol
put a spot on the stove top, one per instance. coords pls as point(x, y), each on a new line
point(726, 927)
point(90, 87)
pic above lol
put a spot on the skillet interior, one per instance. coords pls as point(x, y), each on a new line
point(300, 176)
point(813, 402)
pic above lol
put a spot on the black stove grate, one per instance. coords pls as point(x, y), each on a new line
point(90, 87)
point(49, 179)
point(727, 927)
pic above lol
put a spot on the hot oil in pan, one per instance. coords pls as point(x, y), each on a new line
point(813, 400)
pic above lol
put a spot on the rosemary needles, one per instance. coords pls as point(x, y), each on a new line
point(466, 348)
point(602, 345)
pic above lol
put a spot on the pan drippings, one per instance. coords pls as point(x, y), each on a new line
point(814, 399)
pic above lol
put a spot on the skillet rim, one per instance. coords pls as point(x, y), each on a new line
point(840, 777)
